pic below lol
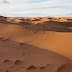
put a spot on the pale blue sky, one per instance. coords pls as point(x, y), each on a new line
point(35, 8)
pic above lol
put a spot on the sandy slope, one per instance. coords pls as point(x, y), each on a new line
point(35, 48)
point(15, 57)
point(53, 41)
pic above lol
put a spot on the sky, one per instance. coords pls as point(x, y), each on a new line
point(35, 8)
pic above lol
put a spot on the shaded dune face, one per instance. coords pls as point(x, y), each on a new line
point(15, 56)
point(65, 68)
point(52, 26)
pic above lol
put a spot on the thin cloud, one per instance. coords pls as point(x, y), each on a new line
point(4, 2)
point(45, 8)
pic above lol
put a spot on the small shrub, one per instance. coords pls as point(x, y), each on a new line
point(42, 67)
point(17, 62)
point(21, 44)
point(31, 67)
point(6, 61)
point(6, 70)
point(61, 67)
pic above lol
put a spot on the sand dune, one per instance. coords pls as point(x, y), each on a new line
point(53, 41)
point(15, 57)
point(41, 47)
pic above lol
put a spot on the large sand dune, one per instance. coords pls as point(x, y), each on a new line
point(35, 45)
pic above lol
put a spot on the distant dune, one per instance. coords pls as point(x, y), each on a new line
point(36, 44)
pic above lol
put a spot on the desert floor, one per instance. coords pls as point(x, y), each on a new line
point(41, 44)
